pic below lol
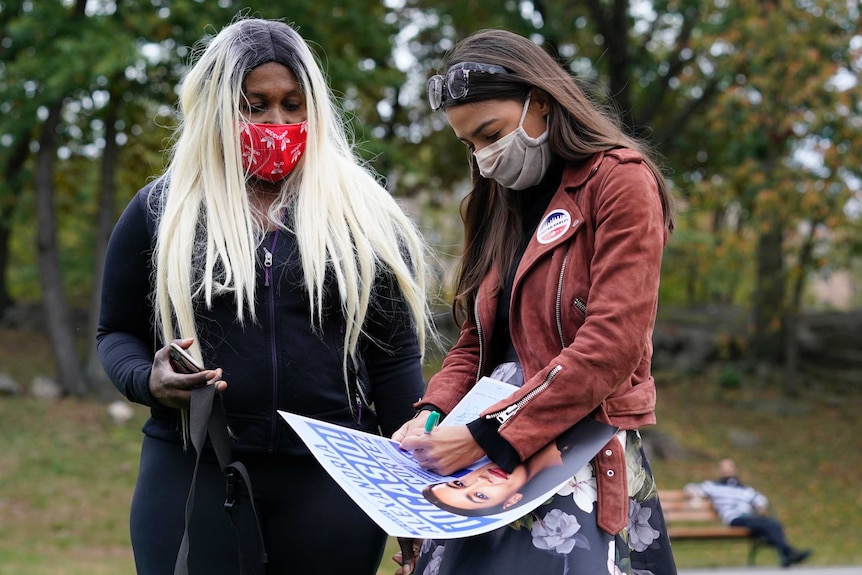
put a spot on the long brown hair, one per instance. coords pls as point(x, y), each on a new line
point(578, 128)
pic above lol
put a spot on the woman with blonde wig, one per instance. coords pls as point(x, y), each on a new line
point(273, 256)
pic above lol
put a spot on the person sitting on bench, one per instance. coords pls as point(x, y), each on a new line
point(740, 505)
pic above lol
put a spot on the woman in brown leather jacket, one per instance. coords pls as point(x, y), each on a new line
point(558, 289)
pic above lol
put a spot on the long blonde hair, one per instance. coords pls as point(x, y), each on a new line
point(345, 222)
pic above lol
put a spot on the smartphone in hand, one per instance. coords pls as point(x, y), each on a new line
point(182, 362)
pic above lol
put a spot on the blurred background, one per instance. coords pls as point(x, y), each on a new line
point(754, 106)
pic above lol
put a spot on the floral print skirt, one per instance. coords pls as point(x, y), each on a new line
point(561, 536)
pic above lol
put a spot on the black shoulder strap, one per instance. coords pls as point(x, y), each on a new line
point(207, 417)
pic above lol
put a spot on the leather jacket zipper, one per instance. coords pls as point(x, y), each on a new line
point(559, 307)
point(479, 335)
point(579, 303)
point(504, 415)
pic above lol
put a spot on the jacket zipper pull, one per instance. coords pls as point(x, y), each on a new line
point(267, 265)
point(504, 415)
point(358, 408)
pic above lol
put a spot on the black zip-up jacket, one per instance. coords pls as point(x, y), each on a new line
point(274, 363)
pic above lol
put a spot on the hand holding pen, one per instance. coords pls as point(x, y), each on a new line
point(415, 426)
point(443, 449)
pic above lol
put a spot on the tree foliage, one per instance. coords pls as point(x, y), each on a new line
point(768, 169)
point(753, 104)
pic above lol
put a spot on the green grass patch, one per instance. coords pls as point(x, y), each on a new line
point(67, 471)
point(66, 478)
point(803, 454)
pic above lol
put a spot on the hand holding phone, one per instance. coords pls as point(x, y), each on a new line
point(182, 362)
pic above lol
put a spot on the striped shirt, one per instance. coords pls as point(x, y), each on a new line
point(730, 499)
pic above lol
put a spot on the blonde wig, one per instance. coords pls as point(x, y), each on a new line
point(345, 222)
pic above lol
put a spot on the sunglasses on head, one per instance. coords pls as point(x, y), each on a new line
point(457, 81)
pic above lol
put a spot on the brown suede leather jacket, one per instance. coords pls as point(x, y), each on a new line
point(583, 309)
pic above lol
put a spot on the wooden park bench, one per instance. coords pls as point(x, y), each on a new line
point(694, 519)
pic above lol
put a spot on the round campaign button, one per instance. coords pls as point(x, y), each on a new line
point(553, 226)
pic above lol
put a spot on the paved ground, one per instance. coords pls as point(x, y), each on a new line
point(796, 570)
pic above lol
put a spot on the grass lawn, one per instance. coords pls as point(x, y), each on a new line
point(803, 454)
point(67, 472)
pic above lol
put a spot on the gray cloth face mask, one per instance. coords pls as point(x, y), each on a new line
point(516, 161)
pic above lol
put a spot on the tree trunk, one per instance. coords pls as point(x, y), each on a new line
point(10, 195)
point(69, 375)
point(5, 233)
point(612, 24)
point(768, 294)
point(790, 383)
point(98, 380)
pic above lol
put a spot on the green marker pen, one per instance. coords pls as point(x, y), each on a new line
point(432, 420)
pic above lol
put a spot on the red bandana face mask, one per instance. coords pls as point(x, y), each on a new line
point(271, 151)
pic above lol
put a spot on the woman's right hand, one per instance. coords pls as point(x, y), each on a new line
point(415, 426)
point(173, 389)
point(444, 450)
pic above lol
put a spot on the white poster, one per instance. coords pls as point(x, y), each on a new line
point(409, 501)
